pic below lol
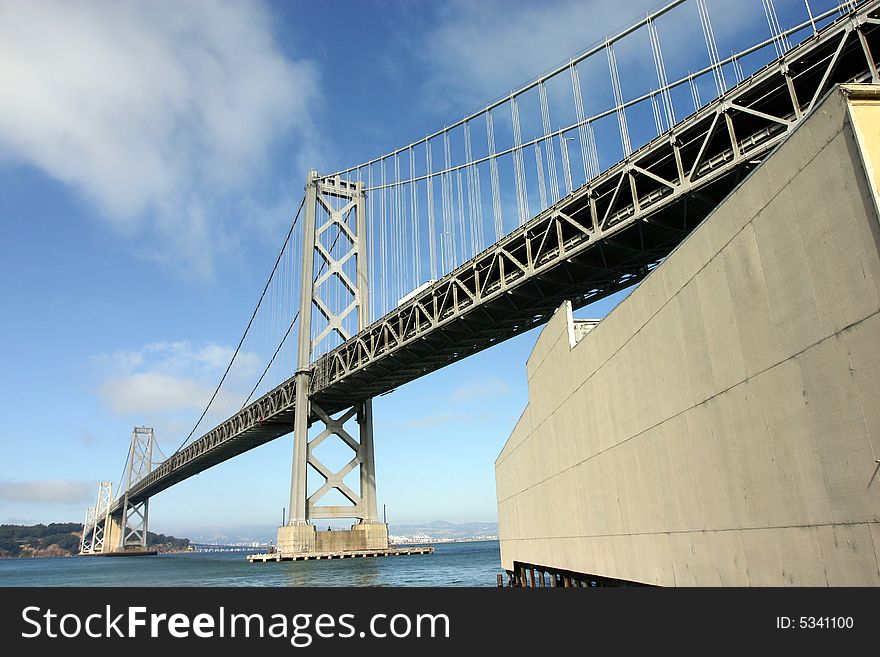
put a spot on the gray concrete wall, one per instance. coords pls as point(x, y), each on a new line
point(721, 425)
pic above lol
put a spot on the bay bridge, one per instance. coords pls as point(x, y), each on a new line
point(573, 186)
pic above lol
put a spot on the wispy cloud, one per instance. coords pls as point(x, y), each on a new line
point(181, 356)
point(434, 421)
point(151, 391)
point(87, 438)
point(166, 377)
point(48, 490)
point(158, 113)
point(481, 389)
point(480, 50)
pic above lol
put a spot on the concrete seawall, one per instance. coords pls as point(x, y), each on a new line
point(722, 425)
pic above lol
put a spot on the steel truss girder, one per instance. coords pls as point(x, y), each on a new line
point(653, 178)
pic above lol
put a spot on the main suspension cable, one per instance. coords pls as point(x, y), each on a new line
point(247, 328)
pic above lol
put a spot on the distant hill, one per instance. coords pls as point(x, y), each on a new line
point(440, 530)
point(63, 540)
point(52, 540)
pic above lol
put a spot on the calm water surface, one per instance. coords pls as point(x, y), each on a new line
point(452, 564)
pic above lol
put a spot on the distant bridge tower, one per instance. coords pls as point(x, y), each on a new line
point(121, 525)
point(85, 544)
point(97, 521)
point(336, 288)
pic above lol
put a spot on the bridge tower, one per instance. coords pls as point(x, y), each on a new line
point(85, 544)
point(132, 529)
point(335, 288)
point(97, 521)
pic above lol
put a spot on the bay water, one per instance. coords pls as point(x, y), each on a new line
point(452, 564)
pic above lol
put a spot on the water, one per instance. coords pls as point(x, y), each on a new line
point(452, 564)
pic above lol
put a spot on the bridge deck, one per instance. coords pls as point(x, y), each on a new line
point(604, 237)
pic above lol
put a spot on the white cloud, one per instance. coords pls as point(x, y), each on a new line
point(156, 112)
point(50, 490)
point(151, 391)
point(166, 377)
point(175, 357)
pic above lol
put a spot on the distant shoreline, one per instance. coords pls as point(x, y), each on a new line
point(447, 540)
point(36, 555)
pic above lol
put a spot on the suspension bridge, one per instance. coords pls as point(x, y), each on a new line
point(572, 187)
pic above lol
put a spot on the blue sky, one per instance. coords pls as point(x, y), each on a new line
point(151, 157)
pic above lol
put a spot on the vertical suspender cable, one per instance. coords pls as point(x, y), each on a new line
point(810, 14)
point(371, 236)
point(589, 174)
point(431, 221)
point(539, 166)
point(471, 189)
point(711, 48)
point(660, 66)
point(383, 239)
point(398, 232)
point(618, 99)
point(548, 141)
point(414, 220)
point(461, 224)
point(566, 162)
point(493, 170)
point(695, 93)
point(448, 213)
point(522, 195)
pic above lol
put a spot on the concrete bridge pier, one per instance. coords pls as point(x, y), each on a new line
point(113, 532)
point(308, 540)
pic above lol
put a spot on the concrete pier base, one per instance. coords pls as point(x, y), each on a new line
point(303, 540)
point(296, 539)
point(112, 533)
